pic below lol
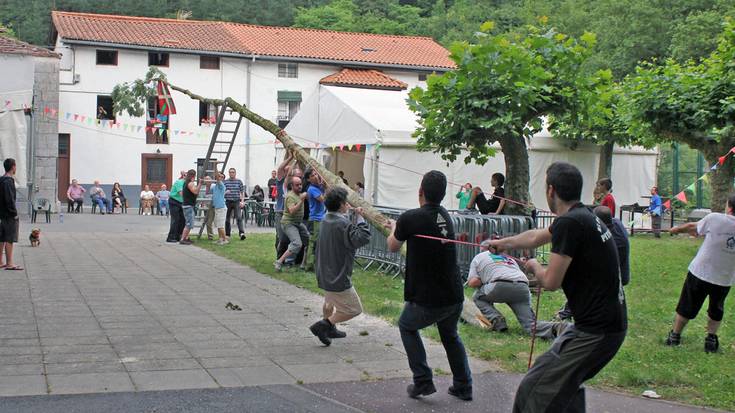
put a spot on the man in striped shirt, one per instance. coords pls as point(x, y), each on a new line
point(234, 199)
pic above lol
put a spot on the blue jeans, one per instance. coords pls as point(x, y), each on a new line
point(416, 317)
point(163, 206)
point(103, 204)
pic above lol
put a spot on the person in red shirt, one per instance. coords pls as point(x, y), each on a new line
point(604, 187)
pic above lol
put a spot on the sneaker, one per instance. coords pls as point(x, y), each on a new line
point(420, 389)
point(462, 393)
point(221, 242)
point(334, 333)
point(277, 265)
point(500, 325)
point(674, 339)
point(242, 236)
point(172, 240)
point(320, 329)
point(711, 343)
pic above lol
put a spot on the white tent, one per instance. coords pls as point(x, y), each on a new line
point(391, 168)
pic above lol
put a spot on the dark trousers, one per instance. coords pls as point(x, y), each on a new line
point(77, 203)
point(416, 317)
point(656, 225)
point(554, 383)
point(233, 207)
point(177, 220)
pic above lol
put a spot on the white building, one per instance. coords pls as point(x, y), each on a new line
point(28, 88)
point(270, 69)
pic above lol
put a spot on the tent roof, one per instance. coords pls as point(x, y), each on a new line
point(347, 116)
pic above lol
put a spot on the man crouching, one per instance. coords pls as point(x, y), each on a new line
point(499, 279)
point(338, 240)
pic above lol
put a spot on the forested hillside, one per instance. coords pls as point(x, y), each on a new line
point(627, 30)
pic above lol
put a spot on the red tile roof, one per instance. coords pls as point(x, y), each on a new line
point(367, 78)
point(246, 39)
point(13, 46)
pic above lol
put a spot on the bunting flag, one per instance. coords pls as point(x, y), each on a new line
point(732, 149)
point(722, 159)
point(68, 115)
point(681, 196)
point(165, 103)
point(667, 204)
point(341, 147)
point(713, 168)
point(349, 147)
point(357, 145)
point(693, 188)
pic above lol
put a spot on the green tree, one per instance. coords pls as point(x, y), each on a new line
point(691, 103)
point(501, 89)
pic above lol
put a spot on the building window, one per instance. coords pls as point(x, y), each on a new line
point(64, 145)
point(422, 77)
point(156, 124)
point(286, 112)
point(288, 70)
point(104, 108)
point(156, 169)
point(209, 62)
point(207, 113)
point(107, 57)
point(157, 59)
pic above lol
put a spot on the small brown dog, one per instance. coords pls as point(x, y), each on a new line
point(35, 237)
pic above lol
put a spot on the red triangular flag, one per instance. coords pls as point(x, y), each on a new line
point(722, 159)
point(681, 196)
point(357, 145)
point(667, 204)
point(46, 109)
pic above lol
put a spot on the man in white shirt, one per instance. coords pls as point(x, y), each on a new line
point(711, 273)
point(498, 279)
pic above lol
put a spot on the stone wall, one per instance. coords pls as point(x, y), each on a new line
point(45, 149)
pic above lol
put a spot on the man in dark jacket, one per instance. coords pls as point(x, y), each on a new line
point(8, 214)
point(339, 238)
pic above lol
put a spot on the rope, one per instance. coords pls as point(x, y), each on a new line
point(533, 327)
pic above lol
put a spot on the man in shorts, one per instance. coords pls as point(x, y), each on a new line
point(219, 206)
point(9, 224)
point(711, 274)
point(338, 241)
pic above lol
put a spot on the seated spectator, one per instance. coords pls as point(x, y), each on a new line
point(162, 195)
point(146, 200)
point(97, 194)
point(75, 195)
point(493, 205)
point(118, 197)
point(258, 193)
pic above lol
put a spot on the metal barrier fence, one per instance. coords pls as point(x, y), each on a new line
point(468, 227)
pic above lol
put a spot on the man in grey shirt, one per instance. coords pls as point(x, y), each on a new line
point(339, 238)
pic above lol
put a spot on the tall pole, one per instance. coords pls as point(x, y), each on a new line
point(700, 171)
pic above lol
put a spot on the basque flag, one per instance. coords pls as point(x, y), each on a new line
point(165, 103)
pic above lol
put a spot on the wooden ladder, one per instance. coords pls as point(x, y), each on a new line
point(218, 154)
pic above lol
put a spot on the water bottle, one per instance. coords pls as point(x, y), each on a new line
point(61, 212)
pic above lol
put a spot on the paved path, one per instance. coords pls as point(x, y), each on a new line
point(105, 307)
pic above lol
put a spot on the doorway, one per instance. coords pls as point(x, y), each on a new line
point(156, 170)
point(62, 165)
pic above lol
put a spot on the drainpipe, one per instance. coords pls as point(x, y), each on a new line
point(247, 127)
point(31, 160)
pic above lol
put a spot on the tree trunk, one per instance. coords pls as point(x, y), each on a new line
point(371, 214)
point(517, 175)
point(606, 154)
point(721, 179)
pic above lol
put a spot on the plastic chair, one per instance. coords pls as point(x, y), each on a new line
point(41, 205)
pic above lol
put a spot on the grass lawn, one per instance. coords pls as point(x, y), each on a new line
point(658, 268)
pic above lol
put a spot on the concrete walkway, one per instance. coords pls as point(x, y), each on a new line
point(105, 306)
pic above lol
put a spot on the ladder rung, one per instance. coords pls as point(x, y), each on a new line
point(222, 141)
point(219, 152)
point(229, 121)
point(226, 131)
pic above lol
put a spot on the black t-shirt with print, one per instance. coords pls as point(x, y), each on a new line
point(592, 281)
point(432, 274)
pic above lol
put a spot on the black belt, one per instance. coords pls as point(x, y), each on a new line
point(509, 281)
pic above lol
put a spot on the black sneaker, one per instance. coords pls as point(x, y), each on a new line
point(320, 330)
point(500, 325)
point(334, 333)
point(185, 242)
point(242, 236)
point(463, 393)
point(674, 339)
point(420, 389)
point(711, 343)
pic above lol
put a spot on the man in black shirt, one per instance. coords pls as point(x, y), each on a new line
point(433, 288)
point(584, 262)
point(496, 203)
point(8, 214)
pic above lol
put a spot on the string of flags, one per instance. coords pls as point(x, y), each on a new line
point(682, 197)
point(112, 124)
